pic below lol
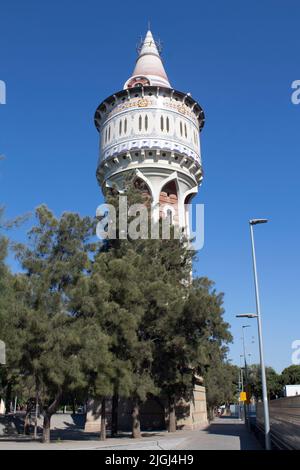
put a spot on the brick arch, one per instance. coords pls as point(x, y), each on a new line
point(168, 198)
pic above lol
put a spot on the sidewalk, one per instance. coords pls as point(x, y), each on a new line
point(149, 441)
point(222, 434)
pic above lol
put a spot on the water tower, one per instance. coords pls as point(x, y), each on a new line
point(152, 130)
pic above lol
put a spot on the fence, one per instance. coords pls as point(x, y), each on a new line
point(284, 421)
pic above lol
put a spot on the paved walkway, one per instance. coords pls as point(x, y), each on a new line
point(222, 434)
point(150, 441)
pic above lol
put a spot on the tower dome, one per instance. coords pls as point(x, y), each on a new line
point(149, 69)
point(152, 129)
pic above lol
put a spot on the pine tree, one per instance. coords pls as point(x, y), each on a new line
point(176, 323)
point(55, 260)
point(123, 323)
point(9, 319)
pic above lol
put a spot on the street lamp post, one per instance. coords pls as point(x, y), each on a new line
point(242, 378)
point(242, 387)
point(244, 348)
point(246, 407)
point(261, 349)
point(260, 338)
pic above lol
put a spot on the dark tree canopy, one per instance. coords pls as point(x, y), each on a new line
point(121, 317)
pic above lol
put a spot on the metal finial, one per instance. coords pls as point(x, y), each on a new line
point(149, 25)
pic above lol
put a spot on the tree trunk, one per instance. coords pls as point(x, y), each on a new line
point(27, 423)
point(8, 398)
point(136, 424)
point(73, 405)
point(103, 420)
point(51, 409)
point(46, 428)
point(211, 413)
point(114, 413)
point(172, 415)
point(36, 414)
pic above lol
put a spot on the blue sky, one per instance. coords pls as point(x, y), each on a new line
point(59, 59)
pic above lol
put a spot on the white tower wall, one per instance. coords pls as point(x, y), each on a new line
point(152, 129)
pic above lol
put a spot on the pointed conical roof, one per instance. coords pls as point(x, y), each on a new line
point(149, 65)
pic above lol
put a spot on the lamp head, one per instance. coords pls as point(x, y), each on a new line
point(257, 221)
point(247, 315)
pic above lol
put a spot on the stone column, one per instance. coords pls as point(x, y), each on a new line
point(93, 416)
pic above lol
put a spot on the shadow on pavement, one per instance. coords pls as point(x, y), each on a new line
point(233, 427)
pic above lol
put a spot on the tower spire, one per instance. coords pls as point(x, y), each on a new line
point(149, 69)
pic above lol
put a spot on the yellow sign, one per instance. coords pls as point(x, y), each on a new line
point(243, 396)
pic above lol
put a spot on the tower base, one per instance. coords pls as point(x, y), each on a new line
point(190, 414)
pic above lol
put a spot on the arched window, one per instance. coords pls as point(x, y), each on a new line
point(168, 124)
point(146, 123)
point(109, 133)
point(140, 123)
point(162, 123)
point(168, 201)
point(125, 126)
point(185, 130)
point(181, 128)
point(120, 127)
point(105, 138)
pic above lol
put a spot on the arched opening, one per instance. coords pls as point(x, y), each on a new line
point(110, 191)
point(169, 197)
point(142, 186)
point(188, 198)
point(187, 201)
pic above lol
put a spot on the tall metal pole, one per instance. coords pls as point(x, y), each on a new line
point(242, 379)
point(244, 349)
point(261, 351)
point(239, 391)
point(242, 407)
point(242, 385)
point(246, 407)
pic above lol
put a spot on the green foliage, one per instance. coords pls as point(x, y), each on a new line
point(176, 325)
point(274, 385)
point(291, 375)
point(221, 379)
point(59, 348)
point(10, 307)
point(90, 318)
